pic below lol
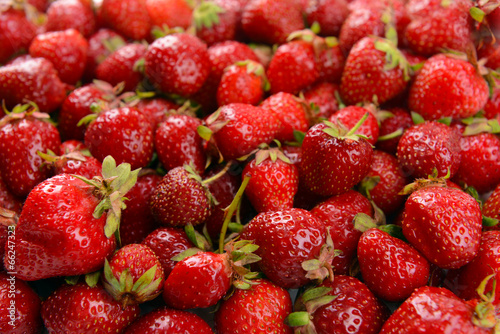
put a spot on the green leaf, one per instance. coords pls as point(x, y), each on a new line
point(129, 182)
point(315, 293)
point(108, 167)
point(126, 280)
point(477, 14)
point(112, 224)
point(103, 205)
point(417, 118)
point(489, 222)
point(108, 275)
point(145, 279)
point(72, 280)
point(297, 319)
point(242, 285)
point(309, 265)
point(92, 278)
point(363, 222)
point(185, 254)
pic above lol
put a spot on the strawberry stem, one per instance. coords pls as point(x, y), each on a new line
point(358, 124)
point(218, 175)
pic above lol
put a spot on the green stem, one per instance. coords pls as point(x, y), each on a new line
point(358, 125)
point(219, 174)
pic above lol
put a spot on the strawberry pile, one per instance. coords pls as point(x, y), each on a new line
point(250, 166)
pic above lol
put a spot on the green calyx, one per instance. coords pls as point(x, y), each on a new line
point(21, 111)
point(240, 256)
point(477, 125)
point(253, 67)
point(321, 268)
point(394, 57)
point(50, 158)
point(206, 15)
point(115, 182)
point(432, 181)
point(485, 315)
point(340, 131)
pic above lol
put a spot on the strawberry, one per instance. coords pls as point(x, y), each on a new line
point(241, 313)
point(491, 207)
point(33, 80)
point(17, 33)
point(490, 51)
point(167, 242)
point(154, 109)
point(465, 281)
point(170, 13)
point(53, 242)
point(427, 146)
point(67, 14)
point(322, 96)
point(286, 238)
point(291, 111)
point(271, 21)
point(447, 87)
point(242, 82)
point(334, 159)
point(8, 200)
point(273, 180)
point(492, 107)
point(164, 56)
point(374, 67)
point(73, 163)
point(329, 14)
point(166, 320)
point(78, 308)
point(239, 128)
point(350, 115)
point(337, 214)
point(124, 133)
point(128, 17)
point(391, 129)
point(122, 66)
point(444, 224)
point(19, 307)
point(24, 132)
point(345, 305)
point(390, 267)
point(418, 314)
point(217, 21)
point(331, 62)
point(66, 50)
point(133, 275)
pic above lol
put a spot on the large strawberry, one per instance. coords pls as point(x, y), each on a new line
point(129, 17)
point(241, 312)
point(17, 32)
point(78, 308)
point(329, 14)
point(67, 14)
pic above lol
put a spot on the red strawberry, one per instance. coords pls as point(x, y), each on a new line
point(167, 242)
point(17, 33)
point(19, 307)
point(239, 128)
point(8, 200)
point(247, 310)
point(350, 115)
point(490, 51)
point(447, 87)
point(73, 163)
point(374, 67)
point(273, 180)
point(163, 59)
point(166, 320)
point(345, 305)
point(124, 133)
point(337, 214)
point(329, 14)
point(170, 13)
point(491, 207)
point(391, 129)
point(271, 21)
point(177, 143)
point(444, 224)
point(66, 50)
point(133, 275)
point(67, 14)
point(418, 314)
point(390, 267)
point(492, 107)
point(217, 21)
point(323, 96)
point(154, 109)
point(23, 133)
point(32, 80)
point(428, 146)
point(122, 66)
point(286, 239)
point(128, 17)
point(334, 159)
point(78, 308)
point(331, 62)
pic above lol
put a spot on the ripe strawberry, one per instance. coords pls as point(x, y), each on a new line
point(391, 129)
point(155, 109)
point(78, 308)
point(350, 115)
point(447, 87)
point(345, 305)
point(238, 128)
point(53, 242)
point(67, 14)
point(19, 307)
point(128, 17)
point(17, 33)
point(24, 132)
point(286, 239)
point(166, 320)
point(242, 82)
point(217, 21)
point(374, 67)
point(491, 207)
point(334, 159)
point(417, 8)
point(390, 267)
point(271, 21)
point(32, 80)
point(167, 242)
point(273, 180)
point(322, 96)
point(337, 214)
point(170, 13)
point(329, 14)
point(133, 275)
point(124, 133)
point(492, 107)
point(241, 313)
point(428, 146)
point(162, 64)
point(444, 224)
point(66, 50)
point(490, 51)
point(122, 66)
point(72, 163)
point(331, 62)
point(291, 111)
point(418, 314)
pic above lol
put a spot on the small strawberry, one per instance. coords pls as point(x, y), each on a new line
point(322, 96)
point(329, 14)
point(67, 14)
point(66, 50)
point(72, 163)
point(391, 129)
point(170, 13)
point(331, 62)
point(241, 313)
point(73, 145)
point(350, 115)
point(78, 308)
point(166, 320)
point(17, 33)
point(163, 59)
point(128, 17)
point(133, 275)
point(217, 21)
